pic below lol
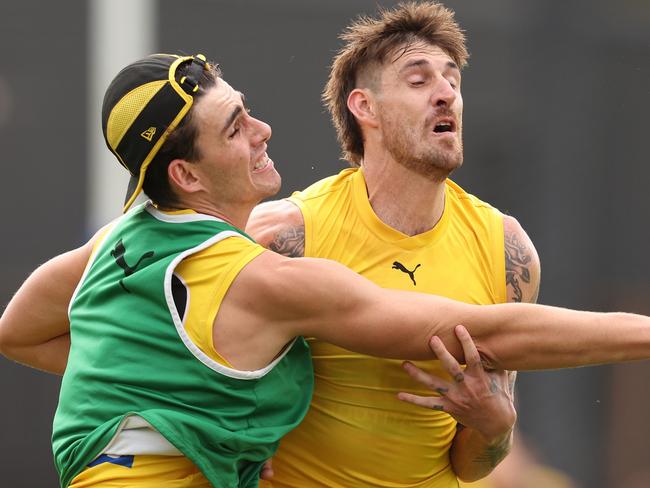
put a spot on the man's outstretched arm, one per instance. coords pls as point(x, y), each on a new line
point(510, 336)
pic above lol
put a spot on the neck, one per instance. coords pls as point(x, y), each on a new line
point(402, 198)
point(236, 217)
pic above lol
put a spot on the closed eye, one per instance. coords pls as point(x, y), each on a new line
point(236, 127)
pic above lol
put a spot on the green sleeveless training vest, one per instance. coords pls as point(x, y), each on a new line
point(130, 355)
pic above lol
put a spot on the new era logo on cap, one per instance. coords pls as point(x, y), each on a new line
point(149, 133)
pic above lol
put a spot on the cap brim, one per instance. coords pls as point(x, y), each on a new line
point(132, 192)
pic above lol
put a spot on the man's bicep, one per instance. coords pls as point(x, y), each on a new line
point(278, 226)
point(324, 299)
point(523, 270)
point(273, 299)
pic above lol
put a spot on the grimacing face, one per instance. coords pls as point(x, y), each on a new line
point(232, 145)
point(420, 108)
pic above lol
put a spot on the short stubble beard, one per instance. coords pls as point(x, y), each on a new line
point(435, 162)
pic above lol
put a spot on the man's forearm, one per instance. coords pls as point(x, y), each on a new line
point(473, 457)
point(529, 337)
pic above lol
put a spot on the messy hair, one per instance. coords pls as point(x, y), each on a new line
point(369, 41)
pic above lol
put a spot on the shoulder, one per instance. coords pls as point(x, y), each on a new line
point(479, 215)
point(279, 226)
point(233, 248)
point(458, 193)
point(326, 186)
point(477, 218)
point(523, 269)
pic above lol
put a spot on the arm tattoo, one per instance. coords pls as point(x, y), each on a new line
point(289, 242)
point(493, 455)
point(517, 261)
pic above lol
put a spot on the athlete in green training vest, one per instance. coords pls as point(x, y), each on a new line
point(183, 365)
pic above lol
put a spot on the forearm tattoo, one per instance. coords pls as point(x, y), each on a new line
point(289, 242)
point(493, 455)
point(518, 259)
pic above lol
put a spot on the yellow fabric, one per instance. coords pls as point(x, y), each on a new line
point(146, 472)
point(357, 434)
point(208, 274)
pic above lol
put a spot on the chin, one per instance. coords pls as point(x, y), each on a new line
point(436, 166)
point(273, 189)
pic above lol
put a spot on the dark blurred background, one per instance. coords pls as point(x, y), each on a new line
point(557, 96)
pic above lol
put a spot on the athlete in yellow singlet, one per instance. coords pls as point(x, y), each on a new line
point(355, 431)
point(394, 95)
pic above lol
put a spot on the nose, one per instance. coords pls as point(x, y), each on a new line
point(444, 94)
point(262, 131)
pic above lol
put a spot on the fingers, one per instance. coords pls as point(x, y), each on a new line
point(432, 382)
point(472, 357)
point(433, 403)
point(447, 360)
point(267, 470)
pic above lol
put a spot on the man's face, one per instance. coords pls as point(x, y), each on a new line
point(234, 164)
point(420, 109)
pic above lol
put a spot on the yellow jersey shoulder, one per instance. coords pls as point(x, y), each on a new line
point(325, 186)
point(454, 190)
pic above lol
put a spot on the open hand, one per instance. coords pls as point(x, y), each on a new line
point(476, 398)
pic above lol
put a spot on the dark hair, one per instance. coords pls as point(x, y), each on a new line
point(370, 40)
point(180, 144)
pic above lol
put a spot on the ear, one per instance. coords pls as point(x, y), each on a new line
point(183, 175)
point(362, 105)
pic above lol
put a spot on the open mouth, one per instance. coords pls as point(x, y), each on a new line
point(262, 163)
point(444, 126)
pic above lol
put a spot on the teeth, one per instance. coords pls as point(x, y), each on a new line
point(262, 162)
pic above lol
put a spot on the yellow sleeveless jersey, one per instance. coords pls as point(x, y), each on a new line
point(357, 434)
point(207, 275)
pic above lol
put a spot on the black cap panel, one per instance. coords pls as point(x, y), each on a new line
point(147, 129)
point(151, 68)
